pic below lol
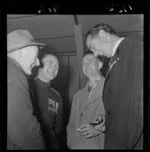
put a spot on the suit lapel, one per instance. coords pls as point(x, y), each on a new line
point(112, 62)
point(84, 97)
point(96, 92)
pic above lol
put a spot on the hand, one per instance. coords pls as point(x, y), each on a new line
point(101, 118)
point(101, 126)
point(88, 131)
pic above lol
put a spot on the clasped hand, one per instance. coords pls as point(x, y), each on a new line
point(88, 131)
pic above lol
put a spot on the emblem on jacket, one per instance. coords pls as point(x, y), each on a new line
point(53, 105)
point(114, 63)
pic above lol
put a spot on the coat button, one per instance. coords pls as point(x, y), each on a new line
point(108, 112)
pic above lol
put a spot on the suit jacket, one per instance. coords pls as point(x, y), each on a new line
point(23, 131)
point(84, 111)
point(123, 96)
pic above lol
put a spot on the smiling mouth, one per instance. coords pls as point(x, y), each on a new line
point(88, 72)
point(51, 73)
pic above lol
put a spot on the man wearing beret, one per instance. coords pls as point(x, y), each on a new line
point(23, 130)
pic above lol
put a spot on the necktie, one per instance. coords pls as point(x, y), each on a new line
point(89, 89)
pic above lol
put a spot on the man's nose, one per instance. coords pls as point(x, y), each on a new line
point(37, 62)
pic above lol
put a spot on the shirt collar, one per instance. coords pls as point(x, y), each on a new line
point(43, 83)
point(117, 44)
point(98, 78)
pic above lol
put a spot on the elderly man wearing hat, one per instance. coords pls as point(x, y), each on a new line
point(23, 130)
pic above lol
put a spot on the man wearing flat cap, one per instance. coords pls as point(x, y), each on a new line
point(23, 130)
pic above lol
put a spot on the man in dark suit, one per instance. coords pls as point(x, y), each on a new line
point(123, 90)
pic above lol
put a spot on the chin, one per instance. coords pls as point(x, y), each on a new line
point(51, 77)
point(88, 75)
point(28, 72)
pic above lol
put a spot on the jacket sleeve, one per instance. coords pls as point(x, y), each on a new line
point(58, 125)
point(70, 126)
point(22, 127)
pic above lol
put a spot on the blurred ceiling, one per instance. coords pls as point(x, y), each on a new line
point(57, 31)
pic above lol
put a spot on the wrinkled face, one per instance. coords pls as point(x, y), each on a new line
point(29, 58)
point(90, 65)
point(98, 46)
point(51, 66)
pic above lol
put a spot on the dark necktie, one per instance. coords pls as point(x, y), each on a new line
point(89, 88)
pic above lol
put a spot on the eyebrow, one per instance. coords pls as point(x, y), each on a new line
point(51, 61)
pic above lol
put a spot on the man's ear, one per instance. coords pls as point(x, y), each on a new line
point(103, 35)
point(18, 54)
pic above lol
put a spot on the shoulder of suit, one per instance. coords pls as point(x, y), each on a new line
point(133, 38)
point(130, 43)
point(76, 97)
point(75, 94)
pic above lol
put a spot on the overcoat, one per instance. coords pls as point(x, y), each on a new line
point(84, 111)
point(23, 131)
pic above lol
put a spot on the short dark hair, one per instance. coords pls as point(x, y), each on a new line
point(102, 26)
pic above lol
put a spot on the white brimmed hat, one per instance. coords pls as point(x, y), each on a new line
point(19, 39)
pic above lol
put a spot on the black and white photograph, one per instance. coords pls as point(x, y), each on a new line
point(75, 81)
